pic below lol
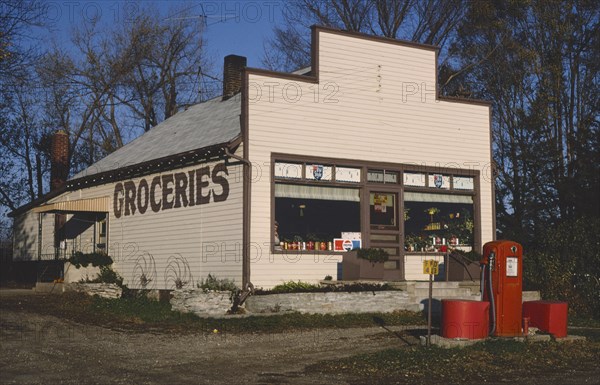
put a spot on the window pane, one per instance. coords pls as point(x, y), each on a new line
point(315, 219)
point(375, 176)
point(437, 222)
point(315, 214)
point(463, 183)
point(347, 174)
point(382, 176)
point(288, 170)
point(382, 209)
point(412, 179)
point(390, 177)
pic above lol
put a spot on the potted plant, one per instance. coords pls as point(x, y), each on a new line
point(415, 243)
point(373, 255)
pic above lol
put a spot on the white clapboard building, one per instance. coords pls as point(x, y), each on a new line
point(274, 180)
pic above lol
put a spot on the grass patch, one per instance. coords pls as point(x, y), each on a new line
point(584, 321)
point(139, 313)
point(592, 334)
point(158, 313)
point(138, 310)
point(495, 360)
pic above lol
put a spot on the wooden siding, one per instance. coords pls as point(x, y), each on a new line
point(26, 241)
point(186, 243)
point(374, 101)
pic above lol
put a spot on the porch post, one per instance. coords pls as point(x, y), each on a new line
point(39, 251)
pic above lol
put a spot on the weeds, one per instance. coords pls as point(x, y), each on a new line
point(305, 287)
point(212, 283)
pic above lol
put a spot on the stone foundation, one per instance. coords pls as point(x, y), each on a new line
point(104, 290)
point(332, 303)
point(204, 304)
point(213, 304)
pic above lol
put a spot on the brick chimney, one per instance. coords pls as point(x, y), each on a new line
point(232, 75)
point(59, 160)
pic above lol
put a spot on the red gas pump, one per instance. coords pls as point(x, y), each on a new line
point(502, 286)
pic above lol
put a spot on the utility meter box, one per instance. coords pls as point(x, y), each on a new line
point(505, 259)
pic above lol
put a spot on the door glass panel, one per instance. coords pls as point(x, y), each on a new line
point(382, 209)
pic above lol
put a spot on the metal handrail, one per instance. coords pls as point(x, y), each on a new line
point(460, 259)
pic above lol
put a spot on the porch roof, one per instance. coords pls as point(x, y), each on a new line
point(91, 205)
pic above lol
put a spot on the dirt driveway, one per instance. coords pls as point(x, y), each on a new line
point(37, 348)
point(42, 349)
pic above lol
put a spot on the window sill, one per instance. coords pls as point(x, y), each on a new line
point(289, 251)
point(425, 252)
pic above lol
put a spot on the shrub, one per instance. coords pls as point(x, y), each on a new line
point(294, 287)
point(106, 275)
point(95, 259)
point(373, 255)
point(564, 264)
point(305, 287)
point(212, 283)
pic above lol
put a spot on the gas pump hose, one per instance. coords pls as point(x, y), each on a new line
point(492, 302)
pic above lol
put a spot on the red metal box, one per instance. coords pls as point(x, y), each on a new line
point(465, 319)
point(548, 316)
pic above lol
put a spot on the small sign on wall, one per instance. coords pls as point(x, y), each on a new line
point(431, 267)
point(439, 181)
point(318, 172)
point(340, 244)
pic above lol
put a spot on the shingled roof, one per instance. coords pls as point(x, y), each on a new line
point(202, 125)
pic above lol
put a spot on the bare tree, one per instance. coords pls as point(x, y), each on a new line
point(24, 144)
point(17, 17)
point(424, 21)
point(120, 79)
point(162, 58)
point(110, 85)
point(22, 160)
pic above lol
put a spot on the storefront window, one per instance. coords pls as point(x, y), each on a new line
point(313, 214)
point(438, 222)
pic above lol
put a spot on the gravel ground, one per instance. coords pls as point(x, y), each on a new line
point(42, 349)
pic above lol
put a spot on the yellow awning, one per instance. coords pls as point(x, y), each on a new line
point(92, 205)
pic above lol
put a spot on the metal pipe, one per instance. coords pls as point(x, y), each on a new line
point(246, 284)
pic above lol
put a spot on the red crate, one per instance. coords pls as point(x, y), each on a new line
point(548, 316)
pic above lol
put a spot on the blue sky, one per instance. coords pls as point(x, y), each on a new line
point(230, 27)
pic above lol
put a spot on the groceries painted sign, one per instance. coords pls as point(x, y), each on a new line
point(171, 191)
